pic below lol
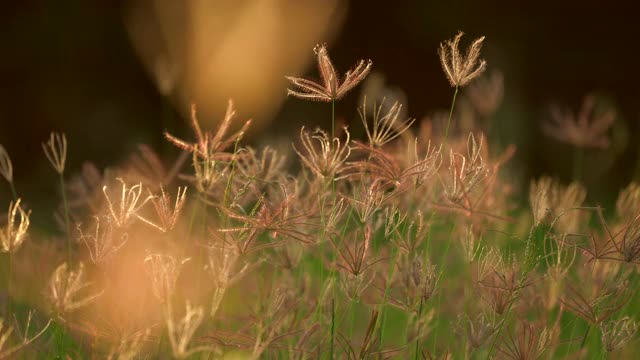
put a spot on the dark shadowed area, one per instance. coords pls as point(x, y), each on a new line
point(73, 66)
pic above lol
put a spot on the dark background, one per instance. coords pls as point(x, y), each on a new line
point(70, 66)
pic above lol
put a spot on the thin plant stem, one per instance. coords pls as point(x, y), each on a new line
point(9, 285)
point(584, 338)
point(417, 353)
point(193, 215)
point(446, 132)
point(333, 195)
point(13, 191)
point(333, 119)
point(333, 323)
point(160, 341)
point(573, 330)
point(354, 302)
point(443, 259)
point(66, 218)
point(383, 318)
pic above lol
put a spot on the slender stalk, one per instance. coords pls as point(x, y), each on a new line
point(193, 215)
point(386, 292)
point(352, 314)
point(333, 192)
point(160, 344)
point(573, 329)
point(584, 338)
point(446, 132)
point(333, 119)
point(417, 353)
point(442, 261)
point(333, 315)
point(13, 191)
point(9, 285)
point(66, 218)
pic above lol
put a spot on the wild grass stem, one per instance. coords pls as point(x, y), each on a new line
point(446, 131)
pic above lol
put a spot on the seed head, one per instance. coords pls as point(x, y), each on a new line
point(330, 89)
point(14, 234)
point(479, 329)
point(67, 289)
point(8, 350)
point(163, 271)
point(56, 151)
point(587, 129)
point(465, 172)
point(460, 70)
point(328, 161)
point(548, 196)
point(128, 207)
point(181, 332)
point(385, 127)
point(628, 201)
point(167, 213)
point(616, 333)
point(208, 143)
point(6, 168)
point(101, 244)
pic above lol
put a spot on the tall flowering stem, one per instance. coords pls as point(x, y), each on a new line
point(460, 69)
point(56, 151)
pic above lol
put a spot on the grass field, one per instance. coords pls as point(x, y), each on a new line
point(406, 243)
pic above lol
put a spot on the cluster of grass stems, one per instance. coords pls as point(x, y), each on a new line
point(405, 245)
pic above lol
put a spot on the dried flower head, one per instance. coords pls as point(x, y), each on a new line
point(424, 167)
point(353, 285)
point(6, 331)
point(465, 172)
point(181, 333)
point(330, 89)
point(616, 333)
point(146, 166)
point(629, 246)
point(528, 343)
point(163, 271)
point(209, 160)
point(328, 161)
point(367, 200)
point(539, 199)
point(128, 207)
point(413, 283)
point(167, 213)
point(460, 70)
point(208, 144)
point(56, 151)
point(548, 196)
point(486, 93)
point(67, 289)
point(6, 168)
point(471, 245)
point(224, 269)
point(587, 129)
point(385, 127)
point(15, 232)
point(264, 167)
point(628, 201)
point(101, 243)
point(599, 303)
point(415, 233)
point(500, 286)
point(479, 329)
point(130, 346)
